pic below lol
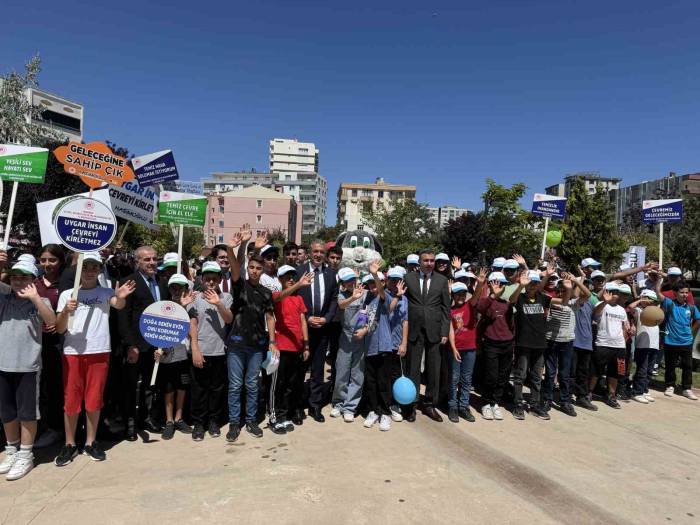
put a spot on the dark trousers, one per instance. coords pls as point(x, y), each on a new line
point(528, 364)
point(416, 348)
point(497, 363)
point(334, 330)
point(644, 359)
point(207, 391)
point(51, 383)
point(285, 397)
point(396, 371)
point(318, 345)
point(138, 394)
point(557, 362)
point(378, 382)
point(672, 355)
point(581, 371)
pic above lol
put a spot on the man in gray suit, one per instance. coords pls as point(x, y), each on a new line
point(429, 304)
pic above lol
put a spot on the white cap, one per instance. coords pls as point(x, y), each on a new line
point(534, 276)
point(459, 287)
point(370, 278)
point(442, 257)
point(170, 259)
point(650, 294)
point(346, 274)
point(597, 273)
point(497, 276)
point(674, 270)
point(498, 262)
point(211, 267)
point(285, 269)
point(470, 275)
point(27, 257)
point(511, 264)
point(460, 274)
point(625, 289)
point(612, 287)
point(589, 261)
point(412, 259)
point(624, 266)
point(267, 248)
point(92, 257)
point(25, 267)
point(178, 278)
point(466, 266)
point(397, 272)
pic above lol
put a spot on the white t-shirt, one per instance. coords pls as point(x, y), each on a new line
point(271, 283)
point(647, 336)
point(611, 327)
point(90, 331)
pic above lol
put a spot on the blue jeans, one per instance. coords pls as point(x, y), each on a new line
point(461, 374)
point(557, 362)
point(243, 365)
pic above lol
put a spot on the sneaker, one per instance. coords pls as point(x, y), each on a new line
point(649, 397)
point(348, 417)
point(10, 458)
point(655, 372)
point(288, 426)
point(465, 413)
point(95, 452)
point(183, 427)
point(385, 423)
point(612, 402)
point(669, 391)
point(585, 402)
point(641, 398)
point(540, 412)
point(487, 412)
point(47, 438)
point(67, 455)
point(233, 432)
point(21, 466)
point(689, 394)
point(277, 428)
point(519, 412)
point(169, 430)
point(453, 415)
point(370, 420)
point(497, 413)
point(253, 429)
point(335, 412)
point(198, 433)
point(396, 414)
point(568, 409)
point(547, 406)
point(624, 395)
point(214, 430)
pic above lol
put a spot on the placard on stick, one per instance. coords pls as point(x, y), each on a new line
point(164, 324)
point(94, 163)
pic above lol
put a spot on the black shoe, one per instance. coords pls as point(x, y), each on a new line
point(277, 428)
point(546, 406)
point(568, 409)
point(183, 427)
point(150, 426)
point(411, 416)
point(169, 430)
point(465, 413)
point(130, 433)
point(214, 430)
point(540, 412)
point(453, 415)
point(67, 455)
point(253, 429)
point(432, 414)
point(316, 415)
point(233, 432)
point(624, 395)
point(612, 402)
point(289, 426)
point(298, 417)
point(586, 403)
point(519, 412)
point(95, 452)
point(198, 433)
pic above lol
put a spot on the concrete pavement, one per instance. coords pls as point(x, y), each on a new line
point(640, 464)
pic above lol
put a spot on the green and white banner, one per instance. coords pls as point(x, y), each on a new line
point(23, 163)
point(181, 208)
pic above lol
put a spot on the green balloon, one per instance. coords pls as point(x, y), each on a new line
point(553, 238)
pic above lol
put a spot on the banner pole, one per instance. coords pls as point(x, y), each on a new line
point(155, 371)
point(121, 235)
point(76, 285)
point(544, 238)
point(10, 213)
point(661, 246)
point(179, 248)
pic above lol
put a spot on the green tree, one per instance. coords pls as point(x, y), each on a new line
point(163, 240)
point(327, 233)
point(464, 236)
point(407, 228)
point(589, 229)
point(682, 241)
point(646, 239)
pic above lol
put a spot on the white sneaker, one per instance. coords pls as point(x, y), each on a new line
point(335, 412)
point(689, 394)
point(21, 467)
point(497, 413)
point(641, 398)
point(396, 414)
point(487, 412)
point(348, 417)
point(371, 419)
point(669, 391)
point(10, 458)
point(48, 438)
point(385, 423)
point(648, 397)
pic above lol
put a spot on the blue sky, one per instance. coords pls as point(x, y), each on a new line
point(438, 94)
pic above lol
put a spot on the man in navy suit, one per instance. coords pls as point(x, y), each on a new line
point(321, 300)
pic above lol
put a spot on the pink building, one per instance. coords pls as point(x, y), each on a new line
point(262, 208)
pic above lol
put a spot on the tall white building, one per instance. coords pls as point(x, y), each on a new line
point(356, 198)
point(591, 179)
point(294, 168)
point(443, 214)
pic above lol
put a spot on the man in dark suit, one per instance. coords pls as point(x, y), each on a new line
point(139, 354)
point(321, 300)
point(429, 304)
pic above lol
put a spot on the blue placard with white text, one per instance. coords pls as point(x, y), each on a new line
point(549, 206)
point(662, 210)
point(155, 168)
point(164, 324)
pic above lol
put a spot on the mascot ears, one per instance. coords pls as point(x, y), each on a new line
point(340, 241)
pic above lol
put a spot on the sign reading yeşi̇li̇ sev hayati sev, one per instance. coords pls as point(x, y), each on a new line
point(164, 324)
point(23, 163)
point(182, 208)
point(155, 168)
point(94, 163)
point(84, 224)
point(134, 203)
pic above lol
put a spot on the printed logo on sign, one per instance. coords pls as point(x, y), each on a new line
point(3, 149)
point(89, 205)
point(167, 309)
point(137, 163)
point(165, 195)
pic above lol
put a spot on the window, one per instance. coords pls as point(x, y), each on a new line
point(259, 203)
point(354, 193)
point(221, 238)
point(221, 202)
point(221, 224)
point(258, 219)
point(221, 209)
point(211, 230)
point(381, 194)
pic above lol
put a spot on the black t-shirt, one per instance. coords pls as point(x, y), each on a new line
point(250, 304)
point(531, 320)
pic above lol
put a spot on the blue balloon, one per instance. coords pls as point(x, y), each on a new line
point(404, 391)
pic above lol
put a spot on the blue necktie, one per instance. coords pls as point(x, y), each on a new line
point(153, 287)
point(317, 291)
